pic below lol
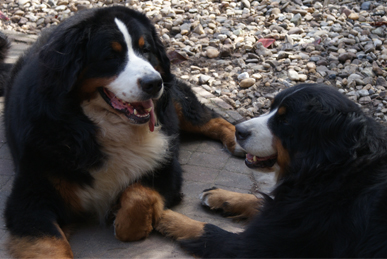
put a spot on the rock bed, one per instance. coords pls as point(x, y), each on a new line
point(244, 52)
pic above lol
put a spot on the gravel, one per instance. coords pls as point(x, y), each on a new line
point(244, 52)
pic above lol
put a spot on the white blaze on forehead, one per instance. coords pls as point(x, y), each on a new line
point(121, 26)
point(260, 142)
point(126, 86)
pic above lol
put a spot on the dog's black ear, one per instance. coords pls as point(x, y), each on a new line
point(5, 45)
point(62, 58)
point(164, 62)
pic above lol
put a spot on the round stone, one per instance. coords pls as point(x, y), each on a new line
point(365, 100)
point(353, 16)
point(243, 76)
point(365, 6)
point(311, 65)
point(302, 77)
point(212, 52)
point(293, 75)
point(245, 83)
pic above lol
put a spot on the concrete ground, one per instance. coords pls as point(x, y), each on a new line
point(205, 163)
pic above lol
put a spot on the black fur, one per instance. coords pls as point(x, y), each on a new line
point(332, 198)
point(49, 135)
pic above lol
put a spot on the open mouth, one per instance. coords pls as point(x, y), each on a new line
point(260, 162)
point(136, 112)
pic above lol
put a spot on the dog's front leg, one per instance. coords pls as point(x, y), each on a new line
point(140, 209)
point(178, 226)
point(233, 204)
point(198, 238)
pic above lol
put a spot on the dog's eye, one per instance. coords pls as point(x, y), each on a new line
point(146, 52)
point(283, 120)
point(110, 57)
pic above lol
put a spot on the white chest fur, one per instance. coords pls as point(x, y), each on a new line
point(132, 151)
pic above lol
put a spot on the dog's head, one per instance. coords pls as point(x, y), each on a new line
point(113, 53)
point(308, 126)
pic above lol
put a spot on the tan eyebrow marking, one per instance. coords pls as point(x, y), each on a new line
point(141, 42)
point(116, 46)
point(282, 110)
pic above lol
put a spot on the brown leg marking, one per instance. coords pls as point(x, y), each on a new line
point(241, 205)
point(140, 208)
point(68, 192)
point(216, 128)
point(39, 247)
point(178, 226)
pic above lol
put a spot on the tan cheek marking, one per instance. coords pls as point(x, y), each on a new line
point(283, 158)
point(89, 86)
point(141, 42)
point(178, 226)
point(116, 46)
point(158, 68)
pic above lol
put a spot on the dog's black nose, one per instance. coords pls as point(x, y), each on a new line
point(151, 84)
point(241, 132)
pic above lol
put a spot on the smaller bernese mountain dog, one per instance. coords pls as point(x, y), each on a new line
point(331, 194)
point(92, 120)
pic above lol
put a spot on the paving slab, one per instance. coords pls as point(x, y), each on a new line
point(205, 163)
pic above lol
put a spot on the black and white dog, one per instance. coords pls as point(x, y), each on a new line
point(92, 117)
point(331, 194)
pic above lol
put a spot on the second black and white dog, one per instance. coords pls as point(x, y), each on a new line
point(331, 195)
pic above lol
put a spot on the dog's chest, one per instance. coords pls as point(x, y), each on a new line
point(131, 152)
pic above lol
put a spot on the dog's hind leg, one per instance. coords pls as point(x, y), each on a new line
point(195, 117)
point(40, 246)
point(233, 204)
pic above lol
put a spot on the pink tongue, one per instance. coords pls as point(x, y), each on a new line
point(119, 106)
point(152, 120)
point(147, 104)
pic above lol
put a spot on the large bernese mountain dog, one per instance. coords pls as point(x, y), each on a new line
point(331, 195)
point(92, 116)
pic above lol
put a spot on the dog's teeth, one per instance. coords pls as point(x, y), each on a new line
point(135, 112)
point(254, 158)
point(149, 109)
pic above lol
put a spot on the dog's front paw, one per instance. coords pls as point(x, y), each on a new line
point(236, 205)
point(178, 226)
point(141, 208)
point(237, 150)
